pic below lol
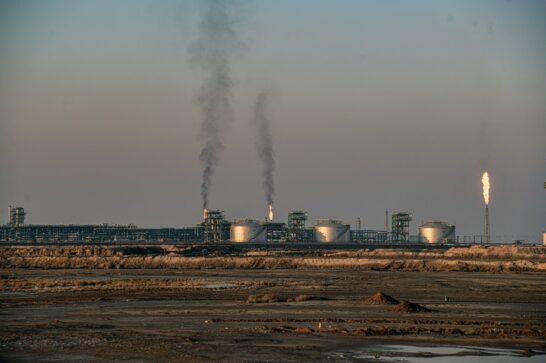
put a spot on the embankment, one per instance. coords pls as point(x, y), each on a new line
point(477, 258)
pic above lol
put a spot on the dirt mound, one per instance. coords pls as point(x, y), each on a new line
point(259, 299)
point(304, 330)
point(380, 298)
point(409, 307)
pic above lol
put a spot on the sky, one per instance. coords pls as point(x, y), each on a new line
point(382, 104)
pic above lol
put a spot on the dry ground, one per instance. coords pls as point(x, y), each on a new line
point(203, 315)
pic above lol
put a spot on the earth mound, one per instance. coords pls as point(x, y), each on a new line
point(380, 298)
point(266, 298)
point(304, 330)
point(409, 307)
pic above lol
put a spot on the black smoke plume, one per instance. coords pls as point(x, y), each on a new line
point(264, 144)
point(216, 45)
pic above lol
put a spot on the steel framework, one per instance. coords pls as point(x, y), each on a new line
point(296, 226)
point(400, 226)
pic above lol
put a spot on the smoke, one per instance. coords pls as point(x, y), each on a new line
point(216, 45)
point(264, 144)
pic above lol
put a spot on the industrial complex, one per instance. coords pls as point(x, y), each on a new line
point(215, 228)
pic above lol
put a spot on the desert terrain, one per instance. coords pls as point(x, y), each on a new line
point(76, 303)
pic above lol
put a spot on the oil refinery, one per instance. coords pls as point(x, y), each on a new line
point(215, 228)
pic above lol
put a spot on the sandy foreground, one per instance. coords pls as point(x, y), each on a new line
point(307, 313)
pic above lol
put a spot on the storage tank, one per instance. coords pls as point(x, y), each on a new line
point(436, 231)
point(331, 230)
point(248, 230)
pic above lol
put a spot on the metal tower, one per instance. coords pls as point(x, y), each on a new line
point(216, 228)
point(487, 230)
point(16, 216)
point(296, 226)
point(400, 226)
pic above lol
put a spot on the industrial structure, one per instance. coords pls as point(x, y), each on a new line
point(16, 216)
point(296, 226)
point(248, 230)
point(215, 228)
point(487, 228)
point(97, 233)
point(276, 232)
point(370, 236)
point(436, 232)
point(400, 226)
point(331, 230)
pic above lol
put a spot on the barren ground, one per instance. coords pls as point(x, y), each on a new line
point(202, 314)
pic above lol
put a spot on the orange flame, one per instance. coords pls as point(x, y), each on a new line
point(205, 213)
point(486, 187)
point(270, 216)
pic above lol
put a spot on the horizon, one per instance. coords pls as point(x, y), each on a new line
point(374, 105)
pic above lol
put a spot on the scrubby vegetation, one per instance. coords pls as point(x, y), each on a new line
point(265, 298)
point(492, 259)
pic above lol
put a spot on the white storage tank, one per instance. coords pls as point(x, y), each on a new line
point(437, 232)
point(248, 230)
point(331, 230)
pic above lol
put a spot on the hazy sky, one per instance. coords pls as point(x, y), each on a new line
point(377, 104)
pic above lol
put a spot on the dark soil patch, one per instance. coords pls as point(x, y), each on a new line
point(409, 307)
point(301, 298)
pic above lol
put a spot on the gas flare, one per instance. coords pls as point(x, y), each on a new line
point(270, 215)
point(486, 186)
point(205, 213)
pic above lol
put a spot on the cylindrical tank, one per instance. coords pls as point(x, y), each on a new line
point(436, 231)
point(248, 230)
point(331, 230)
